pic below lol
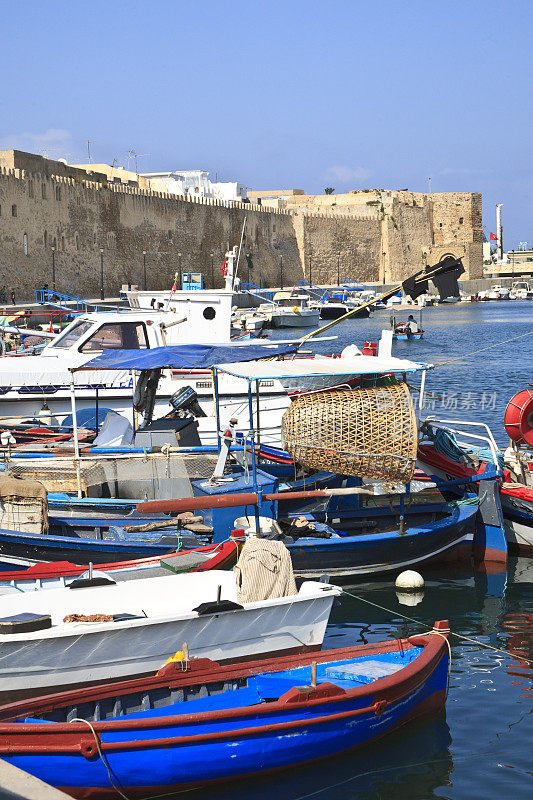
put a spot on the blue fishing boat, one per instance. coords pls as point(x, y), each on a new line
point(405, 336)
point(350, 527)
point(197, 723)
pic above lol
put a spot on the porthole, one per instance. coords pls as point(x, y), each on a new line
point(209, 312)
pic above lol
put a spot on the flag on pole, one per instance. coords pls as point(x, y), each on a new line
point(493, 237)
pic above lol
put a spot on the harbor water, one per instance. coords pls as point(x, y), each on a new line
point(480, 748)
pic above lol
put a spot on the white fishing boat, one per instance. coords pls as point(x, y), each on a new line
point(521, 290)
point(290, 310)
point(498, 292)
point(142, 623)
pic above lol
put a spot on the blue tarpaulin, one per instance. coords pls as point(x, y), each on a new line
point(186, 356)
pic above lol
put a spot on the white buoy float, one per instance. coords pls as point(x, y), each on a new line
point(409, 581)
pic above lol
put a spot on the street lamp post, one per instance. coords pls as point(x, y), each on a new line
point(310, 269)
point(281, 272)
point(102, 296)
point(212, 270)
point(54, 267)
point(338, 269)
point(144, 270)
point(179, 269)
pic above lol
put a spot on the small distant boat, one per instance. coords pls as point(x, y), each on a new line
point(521, 290)
point(404, 336)
point(290, 310)
point(333, 305)
point(402, 330)
point(196, 723)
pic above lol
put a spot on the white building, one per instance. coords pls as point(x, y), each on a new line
point(194, 182)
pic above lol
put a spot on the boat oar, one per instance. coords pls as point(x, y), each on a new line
point(242, 499)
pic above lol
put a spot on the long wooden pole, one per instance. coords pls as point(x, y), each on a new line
point(242, 499)
point(419, 277)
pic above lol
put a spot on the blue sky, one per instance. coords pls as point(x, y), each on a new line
point(283, 94)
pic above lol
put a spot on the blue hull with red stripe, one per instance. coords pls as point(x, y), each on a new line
point(207, 724)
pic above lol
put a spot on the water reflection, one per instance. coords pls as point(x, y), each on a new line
point(411, 763)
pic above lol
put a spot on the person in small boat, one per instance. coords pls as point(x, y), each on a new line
point(412, 325)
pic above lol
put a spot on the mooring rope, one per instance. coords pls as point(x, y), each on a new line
point(424, 625)
point(475, 352)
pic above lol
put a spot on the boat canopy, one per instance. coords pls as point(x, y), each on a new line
point(300, 367)
point(191, 356)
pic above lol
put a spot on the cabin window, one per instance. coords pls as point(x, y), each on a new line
point(72, 334)
point(117, 336)
point(25, 241)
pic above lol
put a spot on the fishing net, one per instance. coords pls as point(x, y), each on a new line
point(130, 477)
point(364, 432)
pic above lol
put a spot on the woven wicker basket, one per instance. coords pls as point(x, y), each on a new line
point(365, 432)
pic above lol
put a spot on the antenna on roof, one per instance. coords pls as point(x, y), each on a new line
point(89, 143)
point(134, 155)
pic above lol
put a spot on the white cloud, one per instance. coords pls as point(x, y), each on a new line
point(344, 174)
point(54, 142)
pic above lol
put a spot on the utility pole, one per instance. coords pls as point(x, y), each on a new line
point(102, 295)
point(54, 267)
point(179, 270)
point(310, 269)
point(338, 269)
point(499, 231)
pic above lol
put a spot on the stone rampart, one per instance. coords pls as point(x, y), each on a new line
point(82, 216)
point(365, 236)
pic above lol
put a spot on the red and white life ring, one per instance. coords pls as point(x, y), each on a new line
point(518, 418)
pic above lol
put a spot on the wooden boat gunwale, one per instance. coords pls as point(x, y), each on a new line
point(384, 691)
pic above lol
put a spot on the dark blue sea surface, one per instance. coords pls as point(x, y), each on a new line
point(481, 748)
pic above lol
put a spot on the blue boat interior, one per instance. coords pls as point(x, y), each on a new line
point(265, 687)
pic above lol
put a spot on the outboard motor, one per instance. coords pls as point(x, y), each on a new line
point(183, 402)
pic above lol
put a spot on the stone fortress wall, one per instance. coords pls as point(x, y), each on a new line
point(44, 202)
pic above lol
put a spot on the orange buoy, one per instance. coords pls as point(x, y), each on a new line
point(518, 418)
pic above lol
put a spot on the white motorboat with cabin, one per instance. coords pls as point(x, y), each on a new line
point(290, 310)
point(521, 290)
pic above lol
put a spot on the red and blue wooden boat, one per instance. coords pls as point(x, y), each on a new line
point(198, 723)
point(56, 574)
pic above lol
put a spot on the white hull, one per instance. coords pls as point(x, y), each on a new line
point(296, 319)
point(78, 653)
